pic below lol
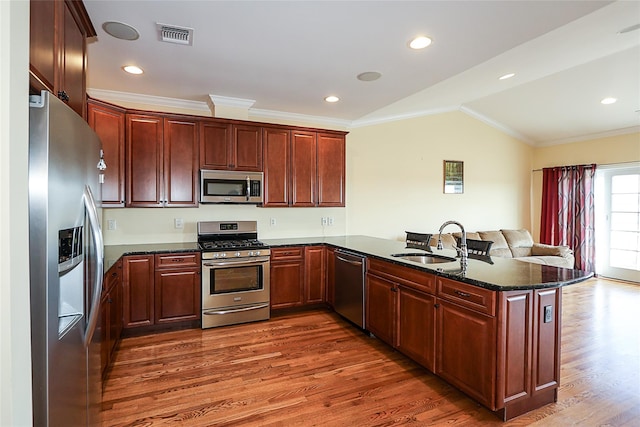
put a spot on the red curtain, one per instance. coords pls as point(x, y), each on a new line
point(568, 211)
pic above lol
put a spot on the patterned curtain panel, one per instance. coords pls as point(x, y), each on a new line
point(568, 211)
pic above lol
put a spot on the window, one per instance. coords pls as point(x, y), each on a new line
point(618, 222)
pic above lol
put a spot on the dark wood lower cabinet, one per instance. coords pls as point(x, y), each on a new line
point(466, 350)
point(177, 295)
point(111, 315)
point(160, 289)
point(298, 276)
point(380, 308)
point(416, 326)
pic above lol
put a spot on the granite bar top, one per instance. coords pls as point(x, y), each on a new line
point(501, 274)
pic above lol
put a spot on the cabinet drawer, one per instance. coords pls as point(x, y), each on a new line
point(419, 280)
point(289, 253)
point(177, 260)
point(473, 297)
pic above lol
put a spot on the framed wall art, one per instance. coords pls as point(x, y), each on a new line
point(453, 177)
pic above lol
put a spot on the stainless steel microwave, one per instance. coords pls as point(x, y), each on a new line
point(219, 186)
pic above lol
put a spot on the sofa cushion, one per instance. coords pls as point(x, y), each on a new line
point(539, 249)
point(500, 248)
point(555, 261)
point(448, 241)
point(520, 242)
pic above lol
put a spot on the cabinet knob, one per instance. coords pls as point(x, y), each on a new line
point(436, 305)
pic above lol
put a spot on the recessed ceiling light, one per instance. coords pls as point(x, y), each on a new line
point(420, 42)
point(132, 69)
point(332, 98)
point(506, 76)
point(369, 76)
point(609, 100)
point(120, 30)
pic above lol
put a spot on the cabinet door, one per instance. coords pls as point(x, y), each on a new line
point(466, 351)
point(138, 291)
point(144, 161)
point(381, 308)
point(247, 148)
point(72, 75)
point(43, 52)
point(115, 315)
point(287, 284)
point(215, 144)
point(276, 166)
point(107, 121)
point(303, 169)
point(331, 169)
point(417, 326)
point(180, 152)
point(315, 277)
point(102, 330)
point(177, 295)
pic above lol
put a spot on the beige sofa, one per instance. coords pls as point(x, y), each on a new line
point(517, 244)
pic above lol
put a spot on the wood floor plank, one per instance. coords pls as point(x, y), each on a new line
point(314, 368)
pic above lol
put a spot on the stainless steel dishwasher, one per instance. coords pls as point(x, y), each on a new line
point(349, 286)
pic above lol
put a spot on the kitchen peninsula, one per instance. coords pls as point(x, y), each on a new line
point(492, 332)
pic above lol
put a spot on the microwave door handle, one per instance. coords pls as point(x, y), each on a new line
point(248, 188)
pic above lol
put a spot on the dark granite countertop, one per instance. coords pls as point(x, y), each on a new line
point(113, 252)
point(501, 274)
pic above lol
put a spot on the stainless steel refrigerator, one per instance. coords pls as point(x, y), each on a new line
point(66, 264)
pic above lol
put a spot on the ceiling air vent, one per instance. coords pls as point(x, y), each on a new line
point(174, 34)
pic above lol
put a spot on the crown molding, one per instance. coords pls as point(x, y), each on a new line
point(590, 136)
point(497, 125)
point(227, 101)
point(161, 101)
point(300, 118)
point(394, 118)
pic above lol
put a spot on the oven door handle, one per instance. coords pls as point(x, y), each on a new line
point(235, 310)
point(236, 263)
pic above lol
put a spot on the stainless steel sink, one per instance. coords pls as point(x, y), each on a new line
point(424, 258)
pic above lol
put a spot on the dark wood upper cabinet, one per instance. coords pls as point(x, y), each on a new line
point(246, 148)
point(162, 161)
point(276, 143)
point(331, 169)
point(42, 45)
point(303, 168)
point(228, 146)
point(215, 144)
point(58, 60)
point(108, 122)
point(144, 160)
point(180, 146)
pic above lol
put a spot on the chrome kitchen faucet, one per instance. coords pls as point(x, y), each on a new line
point(462, 250)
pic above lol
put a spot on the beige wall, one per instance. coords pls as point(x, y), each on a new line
point(15, 348)
point(611, 150)
point(394, 177)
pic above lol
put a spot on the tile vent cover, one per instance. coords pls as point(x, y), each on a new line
point(175, 34)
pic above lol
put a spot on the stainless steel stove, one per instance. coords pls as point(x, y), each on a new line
point(235, 273)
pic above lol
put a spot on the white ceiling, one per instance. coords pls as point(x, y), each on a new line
point(289, 55)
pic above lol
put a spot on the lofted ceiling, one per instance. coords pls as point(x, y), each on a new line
point(287, 56)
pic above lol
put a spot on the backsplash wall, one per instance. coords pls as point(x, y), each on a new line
point(156, 225)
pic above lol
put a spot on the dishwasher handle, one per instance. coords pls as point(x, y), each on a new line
point(344, 257)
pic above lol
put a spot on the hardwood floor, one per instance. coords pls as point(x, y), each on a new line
point(313, 368)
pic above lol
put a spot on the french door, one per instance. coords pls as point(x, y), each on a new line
point(618, 222)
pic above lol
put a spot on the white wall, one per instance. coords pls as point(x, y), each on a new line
point(15, 349)
point(395, 177)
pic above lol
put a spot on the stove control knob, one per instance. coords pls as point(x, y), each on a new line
point(223, 254)
point(237, 254)
point(216, 255)
point(256, 253)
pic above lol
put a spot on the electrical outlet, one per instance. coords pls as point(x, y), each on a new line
point(178, 223)
point(324, 221)
point(272, 222)
point(111, 224)
point(330, 221)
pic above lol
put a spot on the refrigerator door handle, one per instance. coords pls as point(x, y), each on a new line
point(92, 213)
